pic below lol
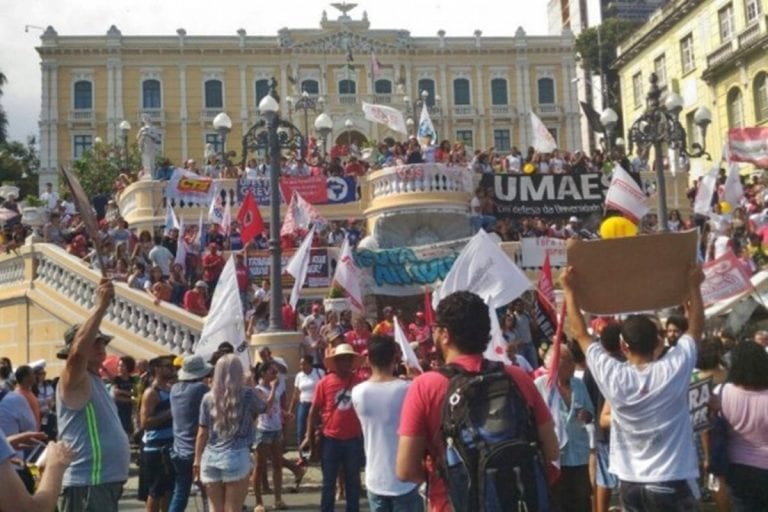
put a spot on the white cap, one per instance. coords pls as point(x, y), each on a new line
point(37, 365)
point(573, 219)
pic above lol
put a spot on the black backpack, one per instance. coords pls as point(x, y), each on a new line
point(492, 461)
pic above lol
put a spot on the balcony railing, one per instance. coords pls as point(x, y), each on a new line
point(464, 111)
point(406, 179)
point(749, 34)
point(82, 115)
point(347, 99)
point(156, 115)
point(549, 109)
point(502, 111)
point(207, 114)
point(721, 54)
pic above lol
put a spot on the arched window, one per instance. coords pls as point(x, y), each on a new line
point(427, 84)
point(311, 86)
point(499, 92)
point(461, 91)
point(760, 88)
point(151, 97)
point(546, 91)
point(382, 86)
point(262, 89)
point(347, 87)
point(214, 94)
point(83, 95)
point(735, 108)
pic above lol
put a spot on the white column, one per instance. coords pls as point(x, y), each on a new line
point(183, 113)
point(45, 126)
point(524, 104)
point(445, 118)
point(479, 94)
point(323, 82)
point(284, 90)
point(244, 95)
point(110, 100)
point(119, 107)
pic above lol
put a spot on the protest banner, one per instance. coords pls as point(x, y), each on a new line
point(699, 393)
point(534, 249)
point(337, 189)
point(724, 278)
point(311, 188)
point(259, 263)
point(388, 116)
point(188, 186)
point(546, 195)
point(614, 276)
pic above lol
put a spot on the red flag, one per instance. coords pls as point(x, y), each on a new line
point(429, 313)
point(545, 300)
point(249, 217)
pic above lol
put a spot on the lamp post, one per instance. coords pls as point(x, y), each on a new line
point(659, 125)
point(125, 127)
point(323, 127)
point(413, 107)
point(348, 124)
point(409, 125)
point(306, 103)
point(265, 133)
point(609, 118)
point(223, 124)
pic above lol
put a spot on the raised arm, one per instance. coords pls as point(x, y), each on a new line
point(695, 306)
point(574, 319)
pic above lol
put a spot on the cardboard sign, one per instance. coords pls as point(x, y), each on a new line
point(624, 275)
point(699, 393)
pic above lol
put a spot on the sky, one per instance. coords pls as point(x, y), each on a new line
point(21, 64)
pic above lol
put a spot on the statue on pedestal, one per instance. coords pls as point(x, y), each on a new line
point(149, 139)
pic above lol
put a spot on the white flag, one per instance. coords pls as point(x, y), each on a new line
point(298, 266)
point(388, 116)
point(543, 141)
point(426, 128)
point(733, 192)
point(226, 217)
point(216, 210)
point(703, 203)
point(409, 356)
point(626, 196)
point(181, 246)
point(347, 276)
point(497, 347)
point(199, 235)
point(171, 221)
point(225, 318)
point(483, 268)
point(300, 215)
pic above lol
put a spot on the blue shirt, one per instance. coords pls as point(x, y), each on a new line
point(576, 450)
point(250, 407)
point(16, 416)
point(185, 407)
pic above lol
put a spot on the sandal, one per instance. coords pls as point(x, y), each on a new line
point(259, 508)
point(280, 505)
point(299, 478)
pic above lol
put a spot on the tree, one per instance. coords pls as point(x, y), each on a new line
point(3, 117)
point(98, 167)
point(19, 164)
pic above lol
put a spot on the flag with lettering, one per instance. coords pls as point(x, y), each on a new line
point(392, 118)
point(249, 218)
point(626, 196)
point(300, 215)
point(347, 276)
point(543, 141)
point(216, 209)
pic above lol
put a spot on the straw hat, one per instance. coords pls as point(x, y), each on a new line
point(344, 349)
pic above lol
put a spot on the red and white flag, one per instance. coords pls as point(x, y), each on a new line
point(749, 145)
point(544, 306)
point(300, 215)
point(347, 276)
point(249, 218)
point(497, 347)
point(543, 141)
point(724, 278)
point(626, 196)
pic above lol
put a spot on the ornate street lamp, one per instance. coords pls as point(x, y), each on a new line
point(323, 127)
point(609, 118)
point(413, 108)
point(125, 127)
point(273, 134)
point(348, 124)
point(659, 125)
point(410, 126)
point(306, 103)
point(223, 124)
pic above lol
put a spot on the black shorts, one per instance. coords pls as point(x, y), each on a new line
point(156, 474)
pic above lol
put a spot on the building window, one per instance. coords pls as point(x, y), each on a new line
point(499, 92)
point(262, 90)
point(501, 140)
point(660, 68)
point(725, 22)
point(214, 139)
point(81, 144)
point(214, 94)
point(752, 9)
point(83, 95)
point(546, 87)
point(735, 108)
point(761, 96)
point(465, 137)
point(427, 84)
point(347, 87)
point(637, 89)
point(151, 97)
point(686, 53)
point(311, 86)
point(382, 87)
point(461, 92)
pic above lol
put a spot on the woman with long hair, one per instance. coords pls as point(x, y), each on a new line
point(222, 449)
point(744, 402)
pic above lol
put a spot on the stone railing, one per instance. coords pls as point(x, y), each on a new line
point(133, 313)
point(424, 178)
point(11, 271)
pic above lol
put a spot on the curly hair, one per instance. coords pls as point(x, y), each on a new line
point(227, 392)
point(465, 316)
point(749, 365)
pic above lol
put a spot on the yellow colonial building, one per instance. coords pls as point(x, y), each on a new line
point(710, 52)
point(479, 89)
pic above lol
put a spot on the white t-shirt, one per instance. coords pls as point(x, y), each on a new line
point(162, 257)
point(652, 438)
point(380, 433)
point(306, 384)
point(271, 419)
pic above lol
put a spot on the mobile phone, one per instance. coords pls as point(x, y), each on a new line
point(33, 454)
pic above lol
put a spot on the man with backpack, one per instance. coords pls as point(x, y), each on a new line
point(480, 423)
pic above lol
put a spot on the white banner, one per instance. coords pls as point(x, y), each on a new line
point(391, 117)
point(534, 250)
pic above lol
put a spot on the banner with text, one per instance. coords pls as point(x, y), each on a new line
point(699, 393)
point(260, 262)
point(547, 195)
point(724, 278)
point(315, 189)
point(534, 249)
point(188, 186)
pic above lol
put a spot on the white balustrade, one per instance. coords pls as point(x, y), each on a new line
point(420, 178)
point(11, 271)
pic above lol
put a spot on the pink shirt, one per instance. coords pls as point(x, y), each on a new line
point(747, 413)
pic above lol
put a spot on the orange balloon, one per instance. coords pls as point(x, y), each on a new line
point(617, 227)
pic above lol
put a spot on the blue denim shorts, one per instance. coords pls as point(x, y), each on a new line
point(604, 478)
point(226, 466)
point(267, 437)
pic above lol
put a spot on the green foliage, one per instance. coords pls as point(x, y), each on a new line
point(336, 292)
point(98, 168)
point(595, 57)
point(19, 164)
point(34, 201)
